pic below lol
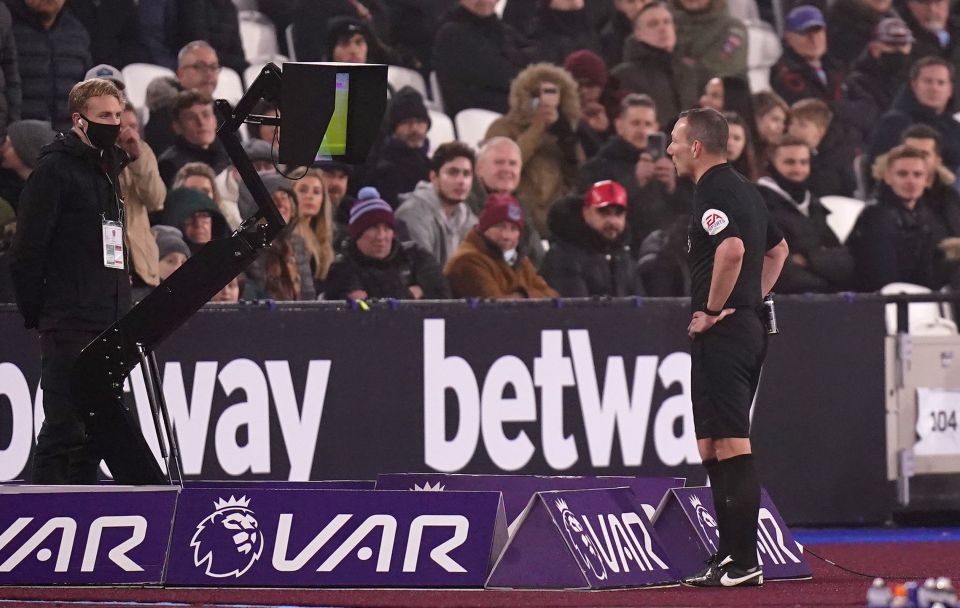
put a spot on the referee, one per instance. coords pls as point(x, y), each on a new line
point(736, 253)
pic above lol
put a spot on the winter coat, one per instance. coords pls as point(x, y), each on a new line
point(215, 21)
point(713, 40)
point(11, 100)
point(794, 79)
point(907, 111)
point(612, 37)
point(406, 265)
point(926, 42)
point(581, 262)
point(891, 243)
point(556, 34)
point(663, 76)
point(530, 240)
point(478, 270)
point(114, 26)
point(397, 169)
point(830, 265)
point(428, 225)
point(551, 155)
point(183, 152)
point(831, 164)
point(270, 263)
point(476, 58)
point(143, 192)
point(178, 210)
point(850, 28)
point(648, 208)
point(869, 90)
point(58, 267)
point(50, 62)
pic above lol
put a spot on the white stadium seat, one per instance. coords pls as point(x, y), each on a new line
point(399, 77)
point(472, 125)
point(441, 130)
point(926, 318)
point(136, 77)
point(229, 86)
point(435, 94)
point(844, 212)
point(253, 70)
point(763, 50)
point(257, 35)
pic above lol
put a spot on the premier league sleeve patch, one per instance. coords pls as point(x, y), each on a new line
point(714, 221)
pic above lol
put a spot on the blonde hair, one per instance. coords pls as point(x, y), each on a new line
point(84, 90)
point(318, 232)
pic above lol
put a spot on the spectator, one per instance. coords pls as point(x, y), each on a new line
point(817, 262)
point(895, 238)
point(940, 194)
point(476, 56)
point(282, 271)
point(590, 253)
point(935, 31)
point(926, 101)
point(22, 144)
point(560, 28)
point(728, 94)
point(490, 263)
point(143, 192)
point(740, 148)
point(197, 68)
point(651, 184)
point(116, 24)
point(53, 52)
point(315, 224)
point(172, 250)
point(195, 124)
point(770, 119)
point(805, 70)
point(350, 40)
point(413, 25)
point(234, 198)
point(195, 215)
point(711, 40)
point(153, 27)
point(215, 21)
point(434, 214)
point(853, 24)
point(877, 75)
point(596, 99)
point(376, 264)
point(499, 165)
point(230, 294)
point(832, 169)
point(336, 178)
point(616, 31)
point(401, 162)
point(12, 97)
point(200, 176)
point(544, 109)
point(651, 66)
point(311, 20)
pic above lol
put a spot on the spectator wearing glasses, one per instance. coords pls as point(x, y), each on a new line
point(195, 215)
point(195, 124)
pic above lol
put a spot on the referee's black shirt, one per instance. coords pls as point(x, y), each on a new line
point(726, 204)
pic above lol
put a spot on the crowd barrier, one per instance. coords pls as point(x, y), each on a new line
point(297, 392)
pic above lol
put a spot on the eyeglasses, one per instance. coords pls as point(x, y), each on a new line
point(203, 67)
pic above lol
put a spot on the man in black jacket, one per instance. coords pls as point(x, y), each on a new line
point(195, 124)
point(560, 28)
point(70, 269)
point(590, 255)
point(936, 31)
point(817, 262)
point(805, 70)
point(401, 161)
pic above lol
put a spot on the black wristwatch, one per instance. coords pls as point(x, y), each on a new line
point(711, 313)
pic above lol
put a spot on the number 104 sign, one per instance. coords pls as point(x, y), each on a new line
point(937, 426)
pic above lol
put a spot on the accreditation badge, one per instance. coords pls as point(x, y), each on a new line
point(113, 245)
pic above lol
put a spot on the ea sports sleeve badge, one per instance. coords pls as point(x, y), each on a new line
point(714, 221)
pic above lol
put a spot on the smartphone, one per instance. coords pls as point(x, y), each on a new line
point(656, 145)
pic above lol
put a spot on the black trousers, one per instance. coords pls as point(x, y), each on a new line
point(65, 454)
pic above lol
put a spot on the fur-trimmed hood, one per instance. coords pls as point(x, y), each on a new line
point(525, 86)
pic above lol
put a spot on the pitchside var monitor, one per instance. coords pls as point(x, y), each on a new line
point(330, 111)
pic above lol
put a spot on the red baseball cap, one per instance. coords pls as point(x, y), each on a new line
point(602, 194)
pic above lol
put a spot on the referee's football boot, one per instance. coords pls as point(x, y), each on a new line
point(728, 574)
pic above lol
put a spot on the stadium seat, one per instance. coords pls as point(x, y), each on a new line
point(441, 130)
point(257, 35)
point(472, 125)
point(744, 10)
point(399, 77)
point(229, 86)
point(137, 76)
point(844, 212)
point(288, 34)
point(253, 70)
point(501, 4)
point(763, 50)
point(926, 318)
point(435, 94)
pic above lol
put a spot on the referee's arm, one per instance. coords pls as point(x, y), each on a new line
point(773, 261)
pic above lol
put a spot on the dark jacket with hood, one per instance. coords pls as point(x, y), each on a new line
point(663, 76)
point(831, 164)
point(850, 28)
point(407, 264)
point(58, 268)
point(556, 34)
point(581, 262)
point(476, 58)
point(870, 89)
point(181, 203)
point(829, 264)
point(397, 169)
point(212, 20)
point(183, 152)
point(50, 61)
point(891, 243)
point(907, 111)
point(794, 79)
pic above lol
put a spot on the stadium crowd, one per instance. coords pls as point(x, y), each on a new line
point(569, 192)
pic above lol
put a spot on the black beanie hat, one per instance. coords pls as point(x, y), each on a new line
point(405, 104)
point(344, 27)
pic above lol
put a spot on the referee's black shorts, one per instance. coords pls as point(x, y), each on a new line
point(725, 370)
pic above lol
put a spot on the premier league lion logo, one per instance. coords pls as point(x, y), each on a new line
point(587, 552)
point(228, 541)
point(708, 524)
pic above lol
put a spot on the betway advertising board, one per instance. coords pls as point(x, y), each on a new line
point(309, 393)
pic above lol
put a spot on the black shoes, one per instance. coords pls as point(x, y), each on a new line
point(724, 573)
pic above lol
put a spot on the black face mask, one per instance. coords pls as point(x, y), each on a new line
point(101, 135)
point(894, 64)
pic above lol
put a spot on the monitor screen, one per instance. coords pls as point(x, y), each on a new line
point(335, 138)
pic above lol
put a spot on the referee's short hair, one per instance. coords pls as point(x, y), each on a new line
point(709, 127)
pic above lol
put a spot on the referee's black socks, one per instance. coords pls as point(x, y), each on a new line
point(741, 488)
point(719, 503)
